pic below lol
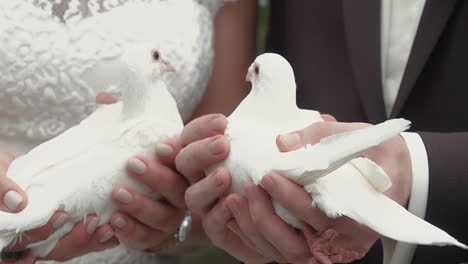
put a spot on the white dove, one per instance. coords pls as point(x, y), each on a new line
point(339, 183)
point(59, 54)
point(76, 171)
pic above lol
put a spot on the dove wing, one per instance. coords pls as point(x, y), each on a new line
point(347, 193)
point(336, 150)
point(91, 131)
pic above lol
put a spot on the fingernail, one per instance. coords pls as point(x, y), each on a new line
point(267, 182)
point(216, 147)
point(61, 220)
point(290, 140)
point(119, 222)
point(164, 149)
point(219, 122)
point(124, 196)
point(106, 237)
point(92, 225)
point(218, 178)
point(12, 199)
point(136, 166)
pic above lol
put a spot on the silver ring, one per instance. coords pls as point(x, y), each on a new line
point(184, 229)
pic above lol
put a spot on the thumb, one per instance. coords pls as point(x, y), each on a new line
point(313, 134)
point(328, 118)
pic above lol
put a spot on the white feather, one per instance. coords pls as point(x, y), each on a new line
point(340, 183)
point(76, 171)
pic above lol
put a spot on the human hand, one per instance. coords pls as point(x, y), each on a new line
point(84, 237)
point(204, 145)
point(350, 240)
point(231, 222)
point(143, 222)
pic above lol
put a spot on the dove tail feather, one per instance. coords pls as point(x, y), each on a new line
point(338, 150)
point(349, 144)
point(346, 192)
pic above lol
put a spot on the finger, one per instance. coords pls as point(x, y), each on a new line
point(160, 179)
point(282, 189)
point(284, 238)
point(14, 198)
point(135, 234)
point(105, 98)
point(196, 157)
point(157, 215)
point(167, 150)
point(239, 208)
point(56, 221)
point(328, 118)
point(201, 196)
point(6, 158)
point(85, 237)
point(215, 224)
point(203, 127)
point(313, 134)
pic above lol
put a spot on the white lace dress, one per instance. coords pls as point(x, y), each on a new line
point(48, 82)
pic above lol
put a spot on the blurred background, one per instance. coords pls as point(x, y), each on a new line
point(263, 12)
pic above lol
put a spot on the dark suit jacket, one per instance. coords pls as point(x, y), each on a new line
point(334, 48)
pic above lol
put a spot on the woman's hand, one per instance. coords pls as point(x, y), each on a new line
point(144, 222)
point(84, 238)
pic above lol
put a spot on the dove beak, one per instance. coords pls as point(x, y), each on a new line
point(169, 67)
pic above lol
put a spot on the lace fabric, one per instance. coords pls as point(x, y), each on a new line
point(43, 85)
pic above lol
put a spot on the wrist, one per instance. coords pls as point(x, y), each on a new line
point(396, 162)
point(406, 172)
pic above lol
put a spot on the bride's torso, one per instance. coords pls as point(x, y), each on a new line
point(54, 59)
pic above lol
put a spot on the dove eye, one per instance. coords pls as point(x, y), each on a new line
point(156, 55)
point(257, 70)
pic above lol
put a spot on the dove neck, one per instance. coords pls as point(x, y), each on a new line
point(154, 100)
point(266, 97)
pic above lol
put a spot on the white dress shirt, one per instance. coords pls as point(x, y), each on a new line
point(400, 21)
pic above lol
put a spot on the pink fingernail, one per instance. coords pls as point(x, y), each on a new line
point(136, 166)
point(106, 237)
point(290, 140)
point(164, 150)
point(119, 222)
point(92, 226)
point(216, 147)
point(124, 196)
point(12, 200)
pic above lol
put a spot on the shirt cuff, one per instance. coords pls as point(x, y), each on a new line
point(403, 252)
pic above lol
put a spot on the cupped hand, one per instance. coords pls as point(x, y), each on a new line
point(344, 240)
point(149, 223)
point(205, 145)
point(85, 237)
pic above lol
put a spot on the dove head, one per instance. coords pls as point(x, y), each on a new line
point(144, 87)
point(272, 74)
point(147, 60)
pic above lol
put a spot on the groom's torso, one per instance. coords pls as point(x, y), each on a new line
point(334, 48)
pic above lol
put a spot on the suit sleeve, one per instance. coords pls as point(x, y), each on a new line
point(447, 201)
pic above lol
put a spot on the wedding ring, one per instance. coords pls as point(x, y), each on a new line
point(184, 229)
